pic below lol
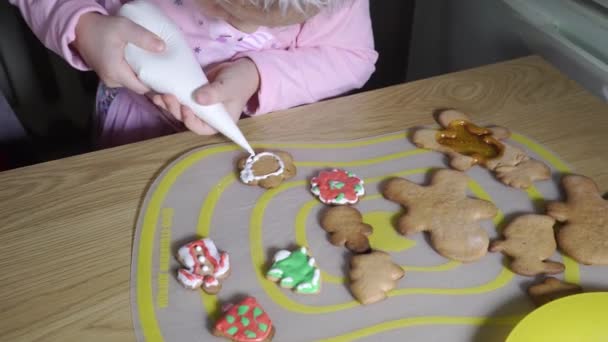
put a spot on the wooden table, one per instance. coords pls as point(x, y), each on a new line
point(66, 226)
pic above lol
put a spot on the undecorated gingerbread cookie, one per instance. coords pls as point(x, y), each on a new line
point(204, 266)
point(530, 241)
point(551, 289)
point(467, 144)
point(267, 169)
point(295, 270)
point(372, 276)
point(584, 235)
point(346, 228)
point(445, 211)
point(245, 321)
point(337, 187)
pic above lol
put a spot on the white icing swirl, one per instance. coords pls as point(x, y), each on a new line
point(247, 175)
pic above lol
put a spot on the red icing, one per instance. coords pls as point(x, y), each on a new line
point(195, 274)
point(327, 193)
point(208, 256)
point(223, 325)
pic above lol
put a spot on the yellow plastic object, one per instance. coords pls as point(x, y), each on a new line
point(582, 317)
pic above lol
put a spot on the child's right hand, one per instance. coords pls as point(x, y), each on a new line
point(101, 40)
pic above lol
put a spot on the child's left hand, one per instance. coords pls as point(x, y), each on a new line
point(232, 84)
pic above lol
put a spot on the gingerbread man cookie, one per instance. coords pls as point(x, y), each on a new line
point(346, 228)
point(337, 187)
point(466, 145)
point(267, 169)
point(530, 241)
point(551, 289)
point(584, 235)
point(205, 266)
point(245, 321)
point(444, 210)
point(372, 276)
point(295, 270)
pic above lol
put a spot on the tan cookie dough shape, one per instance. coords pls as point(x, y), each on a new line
point(266, 169)
point(467, 145)
point(584, 235)
point(551, 289)
point(346, 228)
point(445, 211)
point(529, 241)
point(372, 276)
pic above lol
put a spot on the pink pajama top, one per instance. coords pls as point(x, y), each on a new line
point(325, 56)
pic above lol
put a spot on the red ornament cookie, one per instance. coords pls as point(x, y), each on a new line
point(245, 322)
point(337, 187)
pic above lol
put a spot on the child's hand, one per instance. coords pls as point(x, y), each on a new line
point(101, 40)
point(232, 84)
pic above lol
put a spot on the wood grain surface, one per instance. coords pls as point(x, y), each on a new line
point(66, 227)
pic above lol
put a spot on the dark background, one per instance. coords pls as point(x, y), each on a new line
point(415, 39)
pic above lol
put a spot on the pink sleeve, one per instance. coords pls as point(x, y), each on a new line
point(333, 53)
point(54, 23)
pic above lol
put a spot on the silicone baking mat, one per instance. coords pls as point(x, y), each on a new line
point(199, 195)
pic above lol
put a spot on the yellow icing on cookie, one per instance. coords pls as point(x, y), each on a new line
point(468, 139)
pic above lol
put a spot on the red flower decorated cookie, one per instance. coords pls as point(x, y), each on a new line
point(245, 322)
point(337, 187)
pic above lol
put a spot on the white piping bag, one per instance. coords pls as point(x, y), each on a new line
point(175, 70)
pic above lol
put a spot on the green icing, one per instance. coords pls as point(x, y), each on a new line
point(257, 312)
point(245, 321)
point(358, 188)
point(350, 174)
point(243, 310)
point(250, 334)
point(336, 185)
point(232, 330)
point(263, 327)
point(340, 197)
point(296, 271)
point(230, 319)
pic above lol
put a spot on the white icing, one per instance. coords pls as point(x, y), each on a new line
point(287, 280)
point(247, 175)
point(316, 277)
point(303, 250)
point(282, 255)
point(205, 269)
point(191, 283)
point(211, 248)
point(201, 259)
point(221, 270)
point(185, 257)
point(198, 248)
point(215, 282)
point(311, 262)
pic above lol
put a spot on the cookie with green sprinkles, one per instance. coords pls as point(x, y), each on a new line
point(337, 187)
point(245, 322)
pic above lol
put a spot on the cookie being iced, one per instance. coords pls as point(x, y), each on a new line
point(204, 266)
point(445, 211)
point(267, 169)
point(337, 187)
point(584, 235)
point(372, 276)
point(295, 270)
point(245, 321)
point(467, 144)
point(530, 241)
point(346, 228)
point(551, 289)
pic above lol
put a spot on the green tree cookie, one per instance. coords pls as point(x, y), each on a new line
point(295, 270)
